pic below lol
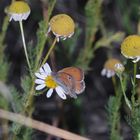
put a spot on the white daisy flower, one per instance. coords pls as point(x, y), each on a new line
point(45, 79)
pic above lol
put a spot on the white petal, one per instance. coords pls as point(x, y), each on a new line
point(103, 72)
point(45, 74)
point(47, 68)
point(49, 30)
point(60, 92)
point(39, 81)
point(41, 70)
point(39, 87)
point(71, 35)
point(38, 75)
point(20, 17)
point(138, 76)
point(57, 39)
point(135, 60)
point(110, 73)
point(49, 93)
point(10, 18)
point(64, 38)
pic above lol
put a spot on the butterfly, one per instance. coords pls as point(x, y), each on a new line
point(71, 79)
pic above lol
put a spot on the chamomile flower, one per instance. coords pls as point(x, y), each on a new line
point(130, 47)
point(62, 26)
point(19, 10)
point(45, 79)
point(111, 67)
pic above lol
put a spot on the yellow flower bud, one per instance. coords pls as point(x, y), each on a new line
point(62, 26)
point(130, 47)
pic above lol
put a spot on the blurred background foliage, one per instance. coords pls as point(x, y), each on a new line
point(101, 25)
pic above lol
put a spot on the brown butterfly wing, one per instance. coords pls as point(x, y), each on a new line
point(78, 78)
point(76, 73)
point(71, 79)
point(66, 81)
point(79, 87)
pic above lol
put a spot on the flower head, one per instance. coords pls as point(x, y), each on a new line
point(19, 10)
point(45, 79)
point(130, 47)
point(62, 26)
point(111, 67)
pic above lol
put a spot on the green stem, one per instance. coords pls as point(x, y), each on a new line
point(24, 46)
point(28, 108)
point(123, 90)
point(134, 84)
point(114, 85)
point(138, 136)
point(38, 57)
point(49, 52)
point(30, 100)
point(116, 120)
point(30, 97)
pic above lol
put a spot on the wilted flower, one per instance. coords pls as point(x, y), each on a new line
point(45, 79)
point(130, 47)
point(62, 26)
point(111, 67)
point(19, 10)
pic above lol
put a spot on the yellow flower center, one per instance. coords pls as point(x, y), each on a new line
point(50, 83)
point(19, 7)
point(62, 25)
point(130, 47)
point(110, 64)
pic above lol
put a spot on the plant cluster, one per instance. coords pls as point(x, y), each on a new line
point(69, 82)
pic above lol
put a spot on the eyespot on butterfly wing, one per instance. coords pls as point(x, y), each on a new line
point(66, 82)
